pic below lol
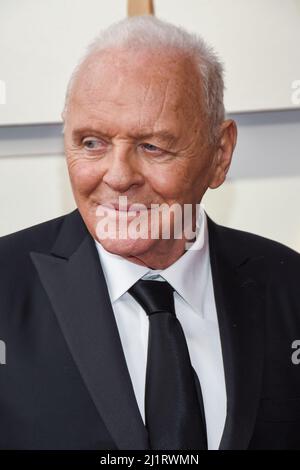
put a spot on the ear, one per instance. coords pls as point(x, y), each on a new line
point(223, 154)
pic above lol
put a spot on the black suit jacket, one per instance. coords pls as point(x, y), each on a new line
point(65, 384)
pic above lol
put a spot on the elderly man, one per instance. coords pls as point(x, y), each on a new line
point(129, 339)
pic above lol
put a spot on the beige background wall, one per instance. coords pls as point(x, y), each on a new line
point(267, 206)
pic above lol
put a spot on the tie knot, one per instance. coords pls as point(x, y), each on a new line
point(154, 296)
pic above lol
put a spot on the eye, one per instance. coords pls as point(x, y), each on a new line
point(92, 144)
point(151, 148)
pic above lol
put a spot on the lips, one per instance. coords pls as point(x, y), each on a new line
point(135, 207)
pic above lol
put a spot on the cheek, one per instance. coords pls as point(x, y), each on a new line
point(85, 176)
point(171, 181)
point(162, 182)
point(183, 182)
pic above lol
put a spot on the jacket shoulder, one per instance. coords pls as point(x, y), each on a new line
point(250, 241)
point(39, 237)
point(282, 262)
point(17, 272)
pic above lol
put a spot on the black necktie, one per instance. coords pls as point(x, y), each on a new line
point(173, 414)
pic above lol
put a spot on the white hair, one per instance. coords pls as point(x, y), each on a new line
point(148, 32)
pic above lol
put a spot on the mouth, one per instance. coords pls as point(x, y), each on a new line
point(125, 207)
point(130, 209)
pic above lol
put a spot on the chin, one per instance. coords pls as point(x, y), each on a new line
point(127, 247)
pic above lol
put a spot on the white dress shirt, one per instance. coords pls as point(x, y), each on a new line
point(195, 308)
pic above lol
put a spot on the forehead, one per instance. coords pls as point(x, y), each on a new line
point(143, 87)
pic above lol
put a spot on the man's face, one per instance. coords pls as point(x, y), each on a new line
point(134, 127)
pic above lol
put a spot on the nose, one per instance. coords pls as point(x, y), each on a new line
point(123, 170)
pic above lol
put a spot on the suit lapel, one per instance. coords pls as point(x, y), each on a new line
point(73, 280)
point(239, 296)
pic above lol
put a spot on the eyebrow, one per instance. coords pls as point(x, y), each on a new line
point(163, 134)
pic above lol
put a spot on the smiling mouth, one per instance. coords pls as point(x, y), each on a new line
point(135, 207)
point(130, 209)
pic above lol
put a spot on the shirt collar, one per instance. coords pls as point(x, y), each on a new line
point(188, 275)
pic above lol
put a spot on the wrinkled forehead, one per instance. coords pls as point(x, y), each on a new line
point(149, 85)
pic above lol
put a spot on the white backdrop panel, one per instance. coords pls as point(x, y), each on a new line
point(41, 41)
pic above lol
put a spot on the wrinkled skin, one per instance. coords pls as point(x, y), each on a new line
point(135, 126)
